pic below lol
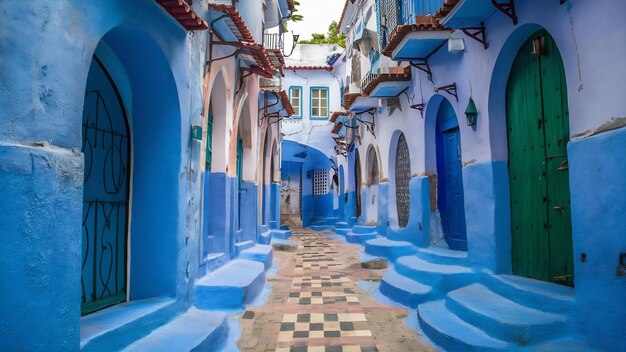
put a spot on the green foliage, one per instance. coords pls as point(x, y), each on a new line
point(294, 16)
point(331, 37)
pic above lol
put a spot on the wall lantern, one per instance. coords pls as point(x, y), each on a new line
point(471, 113)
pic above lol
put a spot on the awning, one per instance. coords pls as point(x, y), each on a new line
point(389, 84)
point(460, 14)
point(416, 41)
point(277, 101)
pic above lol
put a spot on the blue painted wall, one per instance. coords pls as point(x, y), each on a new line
point(314, 208)
point(41, 183)
point(487, 215)
point(417, 230)
point(248, 212)
point(599, 231)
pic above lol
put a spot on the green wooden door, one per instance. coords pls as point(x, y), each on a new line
point(209, 142)
point(538, 132)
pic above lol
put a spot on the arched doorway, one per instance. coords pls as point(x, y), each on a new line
point(106, 192)
point(450, 199)
point(373, 178)
point(214, 245)
point(538, 132)
point(402, 178)
point(357, 182)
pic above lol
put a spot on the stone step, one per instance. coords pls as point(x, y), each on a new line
point(342, 231)
point(281, 234)
point(230, 287)
point(501, 317)
point(319, 227)
point(442, 255)
point(386, 248)
point(341, 225)
point(259, 253)
point(265, 237)
point(443, 276)
point(452, 333)
point(541, 295)
point(360, 238)
point(120, 325)
point(404, 290)
point(363, 229)
point(243, 245)
point(191, 331)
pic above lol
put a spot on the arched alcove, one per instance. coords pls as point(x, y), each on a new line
point(137, 68)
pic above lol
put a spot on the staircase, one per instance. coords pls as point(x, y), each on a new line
point(361, 233)
point(502, 312)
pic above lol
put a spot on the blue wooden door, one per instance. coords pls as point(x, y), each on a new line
point(106, 147)
point(450, 179)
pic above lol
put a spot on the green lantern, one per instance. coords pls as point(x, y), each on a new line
point(471, 113)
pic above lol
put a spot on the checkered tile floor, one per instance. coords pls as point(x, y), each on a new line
point(317, 297)
point(349, 348)
point(323, 325)
point(319, 281)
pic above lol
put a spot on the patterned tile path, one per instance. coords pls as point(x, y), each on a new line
point(315, 305)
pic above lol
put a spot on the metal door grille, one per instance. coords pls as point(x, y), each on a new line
point(106, 147)
point(403, 176)
point(320, 182)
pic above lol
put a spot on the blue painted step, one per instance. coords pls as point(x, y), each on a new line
point(281, 234)
point(120, 325)
point(360, 238)
point(265, 237)
point(319, 227)
point(363, 229)
point(386, 248)
point(342, 231)
point(231, 286)
point(404, 290)
point(452, 333)
point(193, 330)
point(341, 225)
point(537, 294)
point(501, 317)
point(284, 227)
point(243, 245)
point(442, 276)
point(442, 255)
point(259, 253)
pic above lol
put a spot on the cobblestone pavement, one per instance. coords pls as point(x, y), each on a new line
point(315, 304)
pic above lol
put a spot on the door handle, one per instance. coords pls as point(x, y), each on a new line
point(559, 208)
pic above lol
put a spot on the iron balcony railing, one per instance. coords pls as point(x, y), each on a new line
point(367, 79)
point(273, 41)
point(394, 13)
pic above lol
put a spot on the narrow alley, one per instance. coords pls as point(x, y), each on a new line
point(312, 175)
point(322, 300)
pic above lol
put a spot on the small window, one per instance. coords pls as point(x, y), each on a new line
point(295, 98)
point(319, 103)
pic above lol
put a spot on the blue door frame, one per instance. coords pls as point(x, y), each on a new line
point(450, 199)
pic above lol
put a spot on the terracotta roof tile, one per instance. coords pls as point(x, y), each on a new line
point(336, 128)
point(184, 14)
point(445, 9)
point(349, 98)
point(336, 114)
point(327, 68)
point(261, 58)
point(386, 77)
point(283, 98)
point(423, 23)
point(235, 17)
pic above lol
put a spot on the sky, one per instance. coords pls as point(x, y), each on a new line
point(318, 14)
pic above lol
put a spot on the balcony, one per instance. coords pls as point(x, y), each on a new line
point(387, 84)
point(273, 44)
point(409, 29)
